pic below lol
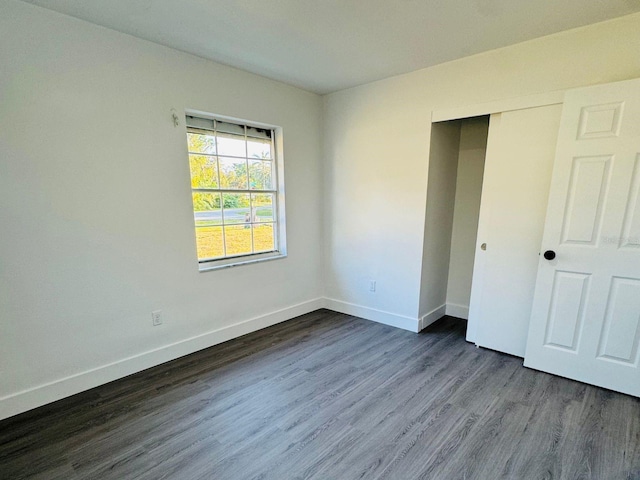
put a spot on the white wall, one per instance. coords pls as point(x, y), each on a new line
point(96, 220)
point(473, 148)
point(441, 194)
point(377, 150)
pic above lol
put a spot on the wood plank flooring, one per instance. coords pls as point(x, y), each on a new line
point(328, 396)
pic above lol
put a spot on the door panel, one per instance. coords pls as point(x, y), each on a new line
point(587, 190)
point(621, 319)
point(585, 321)
point(600, 121)
point(631, 225)
point(520, 152)
point(566, 314)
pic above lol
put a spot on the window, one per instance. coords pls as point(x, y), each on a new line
point(237, 201)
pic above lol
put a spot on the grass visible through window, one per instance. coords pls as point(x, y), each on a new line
point(238, 240)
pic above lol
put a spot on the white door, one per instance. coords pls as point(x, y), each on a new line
point(585, 321)
point(520, 152)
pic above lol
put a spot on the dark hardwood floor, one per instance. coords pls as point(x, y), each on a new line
point(328, 396)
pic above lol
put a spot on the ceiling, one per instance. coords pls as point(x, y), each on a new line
point(329, 45)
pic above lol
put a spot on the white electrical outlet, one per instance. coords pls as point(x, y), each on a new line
point(156, 317)
point(372, 286)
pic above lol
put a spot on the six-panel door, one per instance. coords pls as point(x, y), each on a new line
point(585, 321)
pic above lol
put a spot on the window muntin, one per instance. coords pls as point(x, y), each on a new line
point(234, 190)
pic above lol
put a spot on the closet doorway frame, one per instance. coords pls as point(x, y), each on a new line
point(555, 97)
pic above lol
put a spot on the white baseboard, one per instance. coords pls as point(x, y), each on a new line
point(380, 316)
point(458, 311)
point(50, 392)
point(432, 316)
point(41, 395)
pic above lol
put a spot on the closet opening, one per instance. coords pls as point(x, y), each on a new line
point(454, 190)
point(487, 194)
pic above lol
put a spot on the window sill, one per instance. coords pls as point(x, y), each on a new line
point(216, 265)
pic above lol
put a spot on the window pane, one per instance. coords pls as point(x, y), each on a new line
point(200, 143)
point(204, 172)
point(233, 173)
point(206, 208)
point(260, 175)
point(258, 148)
point(236, 208)
point(238, 238)
point(262, 207)
point(232, 145)
point(198, 123)
point(263, 240)
point(255, 132)
point(232, 128)
point(209, 242)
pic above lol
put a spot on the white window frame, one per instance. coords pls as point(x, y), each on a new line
point(280, 237)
